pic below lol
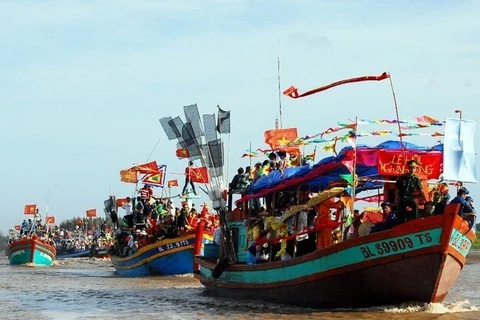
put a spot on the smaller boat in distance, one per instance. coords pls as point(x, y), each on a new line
point(30, 250)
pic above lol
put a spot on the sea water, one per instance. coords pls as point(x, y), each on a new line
point(84, 288)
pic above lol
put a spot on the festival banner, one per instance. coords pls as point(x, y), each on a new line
point(459, 151)
point(128, 176)
point(394, 163)
point(121, 202)
point(280, 137)
point(50, 220)
point(30, 209)
point(91, 213)
point(172, 183)
point(199, 175)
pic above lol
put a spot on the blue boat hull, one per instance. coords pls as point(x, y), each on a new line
point(168, 257)
point(78, 254)
point(31, 251)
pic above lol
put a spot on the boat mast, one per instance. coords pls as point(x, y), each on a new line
point(279, 91)
point(396, 112)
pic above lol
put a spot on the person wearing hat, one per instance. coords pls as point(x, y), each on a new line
point(466, 206)
point(389, 218)
point(408, 184)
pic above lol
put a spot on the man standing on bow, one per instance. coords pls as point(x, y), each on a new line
point(408, 185)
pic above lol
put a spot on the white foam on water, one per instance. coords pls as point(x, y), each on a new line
point(434, 308)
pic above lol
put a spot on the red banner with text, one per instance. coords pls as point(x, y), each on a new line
point(394, 163)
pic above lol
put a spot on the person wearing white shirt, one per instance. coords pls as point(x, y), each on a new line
point(128, 207)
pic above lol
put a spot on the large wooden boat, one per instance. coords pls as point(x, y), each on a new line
point(31, 251)
point(167, 257)
point(416, 261)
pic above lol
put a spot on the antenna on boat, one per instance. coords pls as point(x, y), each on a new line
point(279, 90)
point(396, 112)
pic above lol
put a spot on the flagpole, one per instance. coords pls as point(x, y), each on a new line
point(396, 112)
point(250, 155)
point(354, 173)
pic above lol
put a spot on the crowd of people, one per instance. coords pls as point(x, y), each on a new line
point(148, 219)
point(279, 234)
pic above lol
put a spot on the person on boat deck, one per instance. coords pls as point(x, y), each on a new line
point(236, 179)
point(470, 211)
point(182, 217)
point(23, 228)
point(407, 185)
point(461, 200)
point(128, 212)
point(139, 208)
point(130, 245)
point(389, 219)
point(323, 220)
point(188, 178)
point(301, 226)
point(465, 208)
point(356, 223)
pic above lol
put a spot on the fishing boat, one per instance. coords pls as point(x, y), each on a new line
point(166, 257)
point(66, 249)
point(30, 251)
point(414, 261)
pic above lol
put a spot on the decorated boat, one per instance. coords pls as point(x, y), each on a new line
point(166, 257)
point(29, 242)
point(30, 251)
point(415, 259)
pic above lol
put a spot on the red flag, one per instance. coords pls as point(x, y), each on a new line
point(149, 167)
point(280, 137)
point(172, 183)
point(30, 209)
point(50, 220)
point(292, 92)
point(91, 213)
point(121, 202)
point(128, 176)
point(182, 153)
point(199, 175)
point(17, 227)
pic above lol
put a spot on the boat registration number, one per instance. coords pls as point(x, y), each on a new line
point(396, 245)
point(460, 242)
point(170, 246)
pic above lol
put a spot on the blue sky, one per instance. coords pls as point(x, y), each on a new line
point(83, 83)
